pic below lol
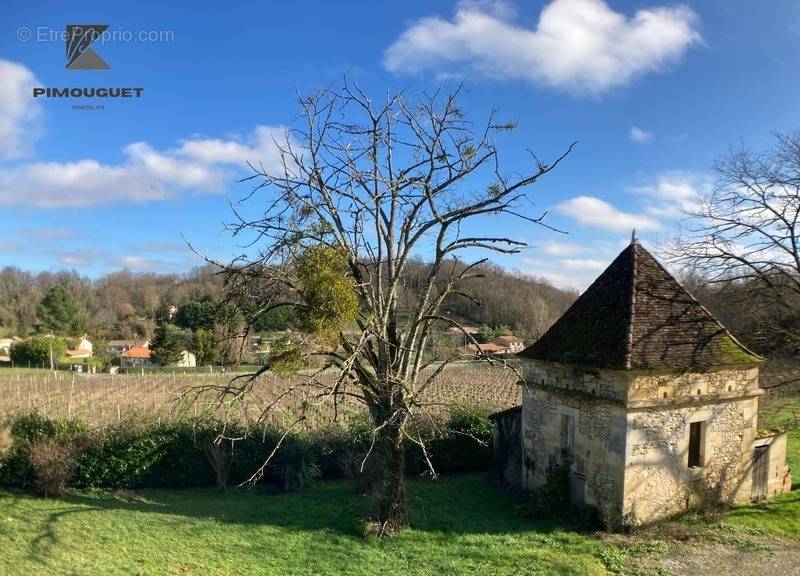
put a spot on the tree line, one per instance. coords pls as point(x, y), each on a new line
point(127, 305)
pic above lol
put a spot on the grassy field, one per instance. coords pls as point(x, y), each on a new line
point(461, 526)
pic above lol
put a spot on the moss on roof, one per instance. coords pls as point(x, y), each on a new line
point(637, 316)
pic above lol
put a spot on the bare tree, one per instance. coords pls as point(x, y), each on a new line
point(375, 184)
point(745, 235)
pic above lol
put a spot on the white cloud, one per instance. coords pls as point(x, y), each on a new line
point(591, 211)
point(46, 234)
point(259, 147)
point(581, 46)
point(584, 264)
point(639, 135)
point(560, 249)
point(80, 258)
point(198, 165)
point(136, 263)
point(564, 273)
point(674, 192)
point(20, 114)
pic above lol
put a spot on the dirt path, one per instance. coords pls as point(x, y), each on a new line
point(771, 558)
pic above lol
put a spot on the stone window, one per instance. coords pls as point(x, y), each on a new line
point(697, 438)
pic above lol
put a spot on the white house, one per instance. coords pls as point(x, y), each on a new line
point(141, 356)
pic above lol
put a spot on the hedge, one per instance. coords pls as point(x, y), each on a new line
point(141, 452)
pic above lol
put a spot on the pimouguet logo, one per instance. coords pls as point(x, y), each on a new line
point(80, 55)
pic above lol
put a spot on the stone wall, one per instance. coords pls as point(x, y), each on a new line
point(665, 389)
point(609, 384)
point(598, 458)
point(658, 480)
point(779, 479)
point(631, 440)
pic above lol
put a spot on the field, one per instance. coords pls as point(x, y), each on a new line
point(460, 526)
point(106, 397)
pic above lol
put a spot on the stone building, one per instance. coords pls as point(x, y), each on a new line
point(647, 400)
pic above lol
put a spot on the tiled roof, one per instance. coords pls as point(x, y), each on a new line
point(487, 348)
point(137, 352)
point(79, 353)
point(637, 316)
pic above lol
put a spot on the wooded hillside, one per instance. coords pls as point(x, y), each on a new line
point(125, 304)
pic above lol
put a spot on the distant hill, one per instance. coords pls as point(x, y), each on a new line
point(527, 304)
point(123, 304)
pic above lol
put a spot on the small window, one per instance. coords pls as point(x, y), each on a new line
point(696, 438)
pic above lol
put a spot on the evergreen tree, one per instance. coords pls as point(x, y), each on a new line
point(196, 315)
point(167, 344)
point(204, 345)
point(58, 313)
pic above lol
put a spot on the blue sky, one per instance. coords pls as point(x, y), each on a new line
point(652, 91)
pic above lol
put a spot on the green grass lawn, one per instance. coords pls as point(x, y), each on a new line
point(785, 415)
point(7, 370)
point(779, 516)
point(461, 526)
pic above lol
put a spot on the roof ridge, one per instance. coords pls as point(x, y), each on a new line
point(631, 308)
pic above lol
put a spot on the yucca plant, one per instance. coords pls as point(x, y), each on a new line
point(296, 465)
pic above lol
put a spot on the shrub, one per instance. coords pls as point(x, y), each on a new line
point(249, 454)
point(53, 466)
point(295, 464)
point(139, 452)
point(15, 468)
point(179, 461)
point(37, 350)
point(337, 442)
point(28, 428)
point(218, 452)
point(6, 441)
point(31, 427)
point(471, 420)
point(124, 455)
point(461, 443)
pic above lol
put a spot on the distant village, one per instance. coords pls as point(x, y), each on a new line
point(130, 353)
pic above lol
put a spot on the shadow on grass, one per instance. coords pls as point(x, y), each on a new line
point(779, 516)
point(449, 505)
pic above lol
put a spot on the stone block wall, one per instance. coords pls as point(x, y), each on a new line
point(661, 389)
point(631, 437)
point(658, 480)
point(598, 458)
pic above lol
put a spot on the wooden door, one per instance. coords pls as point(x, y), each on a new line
point(760, 472)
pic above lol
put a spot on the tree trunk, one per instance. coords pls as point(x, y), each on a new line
point(393, 503)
